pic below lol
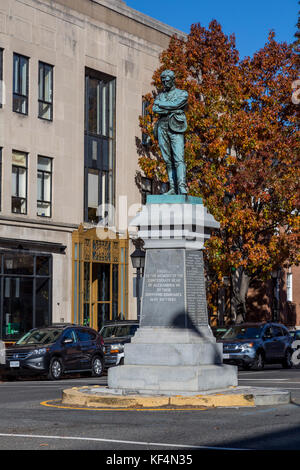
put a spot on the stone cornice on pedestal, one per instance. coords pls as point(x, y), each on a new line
point(174, 222)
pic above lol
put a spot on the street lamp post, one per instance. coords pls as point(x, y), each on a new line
point(276, 293)
point(138, 263)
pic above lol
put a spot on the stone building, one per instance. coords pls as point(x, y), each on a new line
point(73, 73)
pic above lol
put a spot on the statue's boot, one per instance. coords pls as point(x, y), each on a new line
point(181, 178)
point(171, 181)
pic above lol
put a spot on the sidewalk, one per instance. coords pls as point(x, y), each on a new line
point(103, 397)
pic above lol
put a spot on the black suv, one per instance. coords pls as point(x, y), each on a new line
point(115, 335)
point(254, 344)
point(55, 350)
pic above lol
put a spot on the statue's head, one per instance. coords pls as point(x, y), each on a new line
point(167, 78)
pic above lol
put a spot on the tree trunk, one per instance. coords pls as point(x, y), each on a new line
point(239, 288)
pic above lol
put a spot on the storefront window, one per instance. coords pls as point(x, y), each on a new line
point(25, 293)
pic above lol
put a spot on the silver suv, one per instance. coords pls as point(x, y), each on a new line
point(254, 344)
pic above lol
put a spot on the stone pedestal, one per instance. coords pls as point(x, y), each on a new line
point(174, 350)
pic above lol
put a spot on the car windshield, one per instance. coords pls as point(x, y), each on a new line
point(108, 331)
point(220, 332)
point(40, 336)
point(118, 331)
point(243, 332)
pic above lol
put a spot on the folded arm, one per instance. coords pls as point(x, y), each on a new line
point(178, 102)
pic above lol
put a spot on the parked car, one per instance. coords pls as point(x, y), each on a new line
point(254, 344)
point(55, 350)
point(115, 336)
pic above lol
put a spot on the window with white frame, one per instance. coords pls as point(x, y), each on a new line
point(289, 286)
point(44, 186)
point(1, 77)
point(19, 182)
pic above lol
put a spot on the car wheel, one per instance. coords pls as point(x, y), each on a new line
point(287, 362)
point(55, 369)
point(259, 362)
point(97, 366)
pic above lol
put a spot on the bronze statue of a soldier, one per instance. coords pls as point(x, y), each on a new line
point(169, 130)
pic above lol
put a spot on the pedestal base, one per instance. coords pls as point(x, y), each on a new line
point(172, 361)
point(168, 380)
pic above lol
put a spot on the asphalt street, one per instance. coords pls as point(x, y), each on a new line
point(32, 418)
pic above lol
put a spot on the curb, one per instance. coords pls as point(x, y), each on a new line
point(99, 397)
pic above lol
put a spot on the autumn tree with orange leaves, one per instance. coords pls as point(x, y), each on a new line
point(241, 151)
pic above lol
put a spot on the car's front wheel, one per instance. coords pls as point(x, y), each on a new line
point(97, 366)
point(287, 362)
point(259, 362)
point(55, 369)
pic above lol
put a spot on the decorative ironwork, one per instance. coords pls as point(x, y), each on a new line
point(101, 251)
point(115, 252)
point(87, 249)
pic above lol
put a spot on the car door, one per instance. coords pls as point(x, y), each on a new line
point(87, 343)
point(279, 342)
point(269, 344)
point(70, 350)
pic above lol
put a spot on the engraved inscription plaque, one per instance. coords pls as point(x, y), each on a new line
point(195, 288)
point(164, 292)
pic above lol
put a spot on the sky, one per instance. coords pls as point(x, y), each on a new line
point(249, 20)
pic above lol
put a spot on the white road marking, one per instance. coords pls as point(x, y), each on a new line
point(281, 381)
point(266, 380)
point(95, 439)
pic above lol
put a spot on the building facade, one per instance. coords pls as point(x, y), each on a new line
point(73, 74)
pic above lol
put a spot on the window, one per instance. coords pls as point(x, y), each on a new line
point(289, 287)
point(277, 331)
point(99, 144)
point(19, 182)
point(25, 294)
point(149, 186)
point(240, 332)
point(85, 335)
point(45, 91)
point(0, 178)
point(44, 186)
point(70, 334)
point(145, 113)
point(20, 84)
point(268, 332)
point(1, 77)
point(146, 188)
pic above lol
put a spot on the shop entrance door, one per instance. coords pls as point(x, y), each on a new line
point(100, 278)
point(101, 293)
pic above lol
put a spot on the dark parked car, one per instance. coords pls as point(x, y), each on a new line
point(55, 350)
point(254, 344)
point(115, 335)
